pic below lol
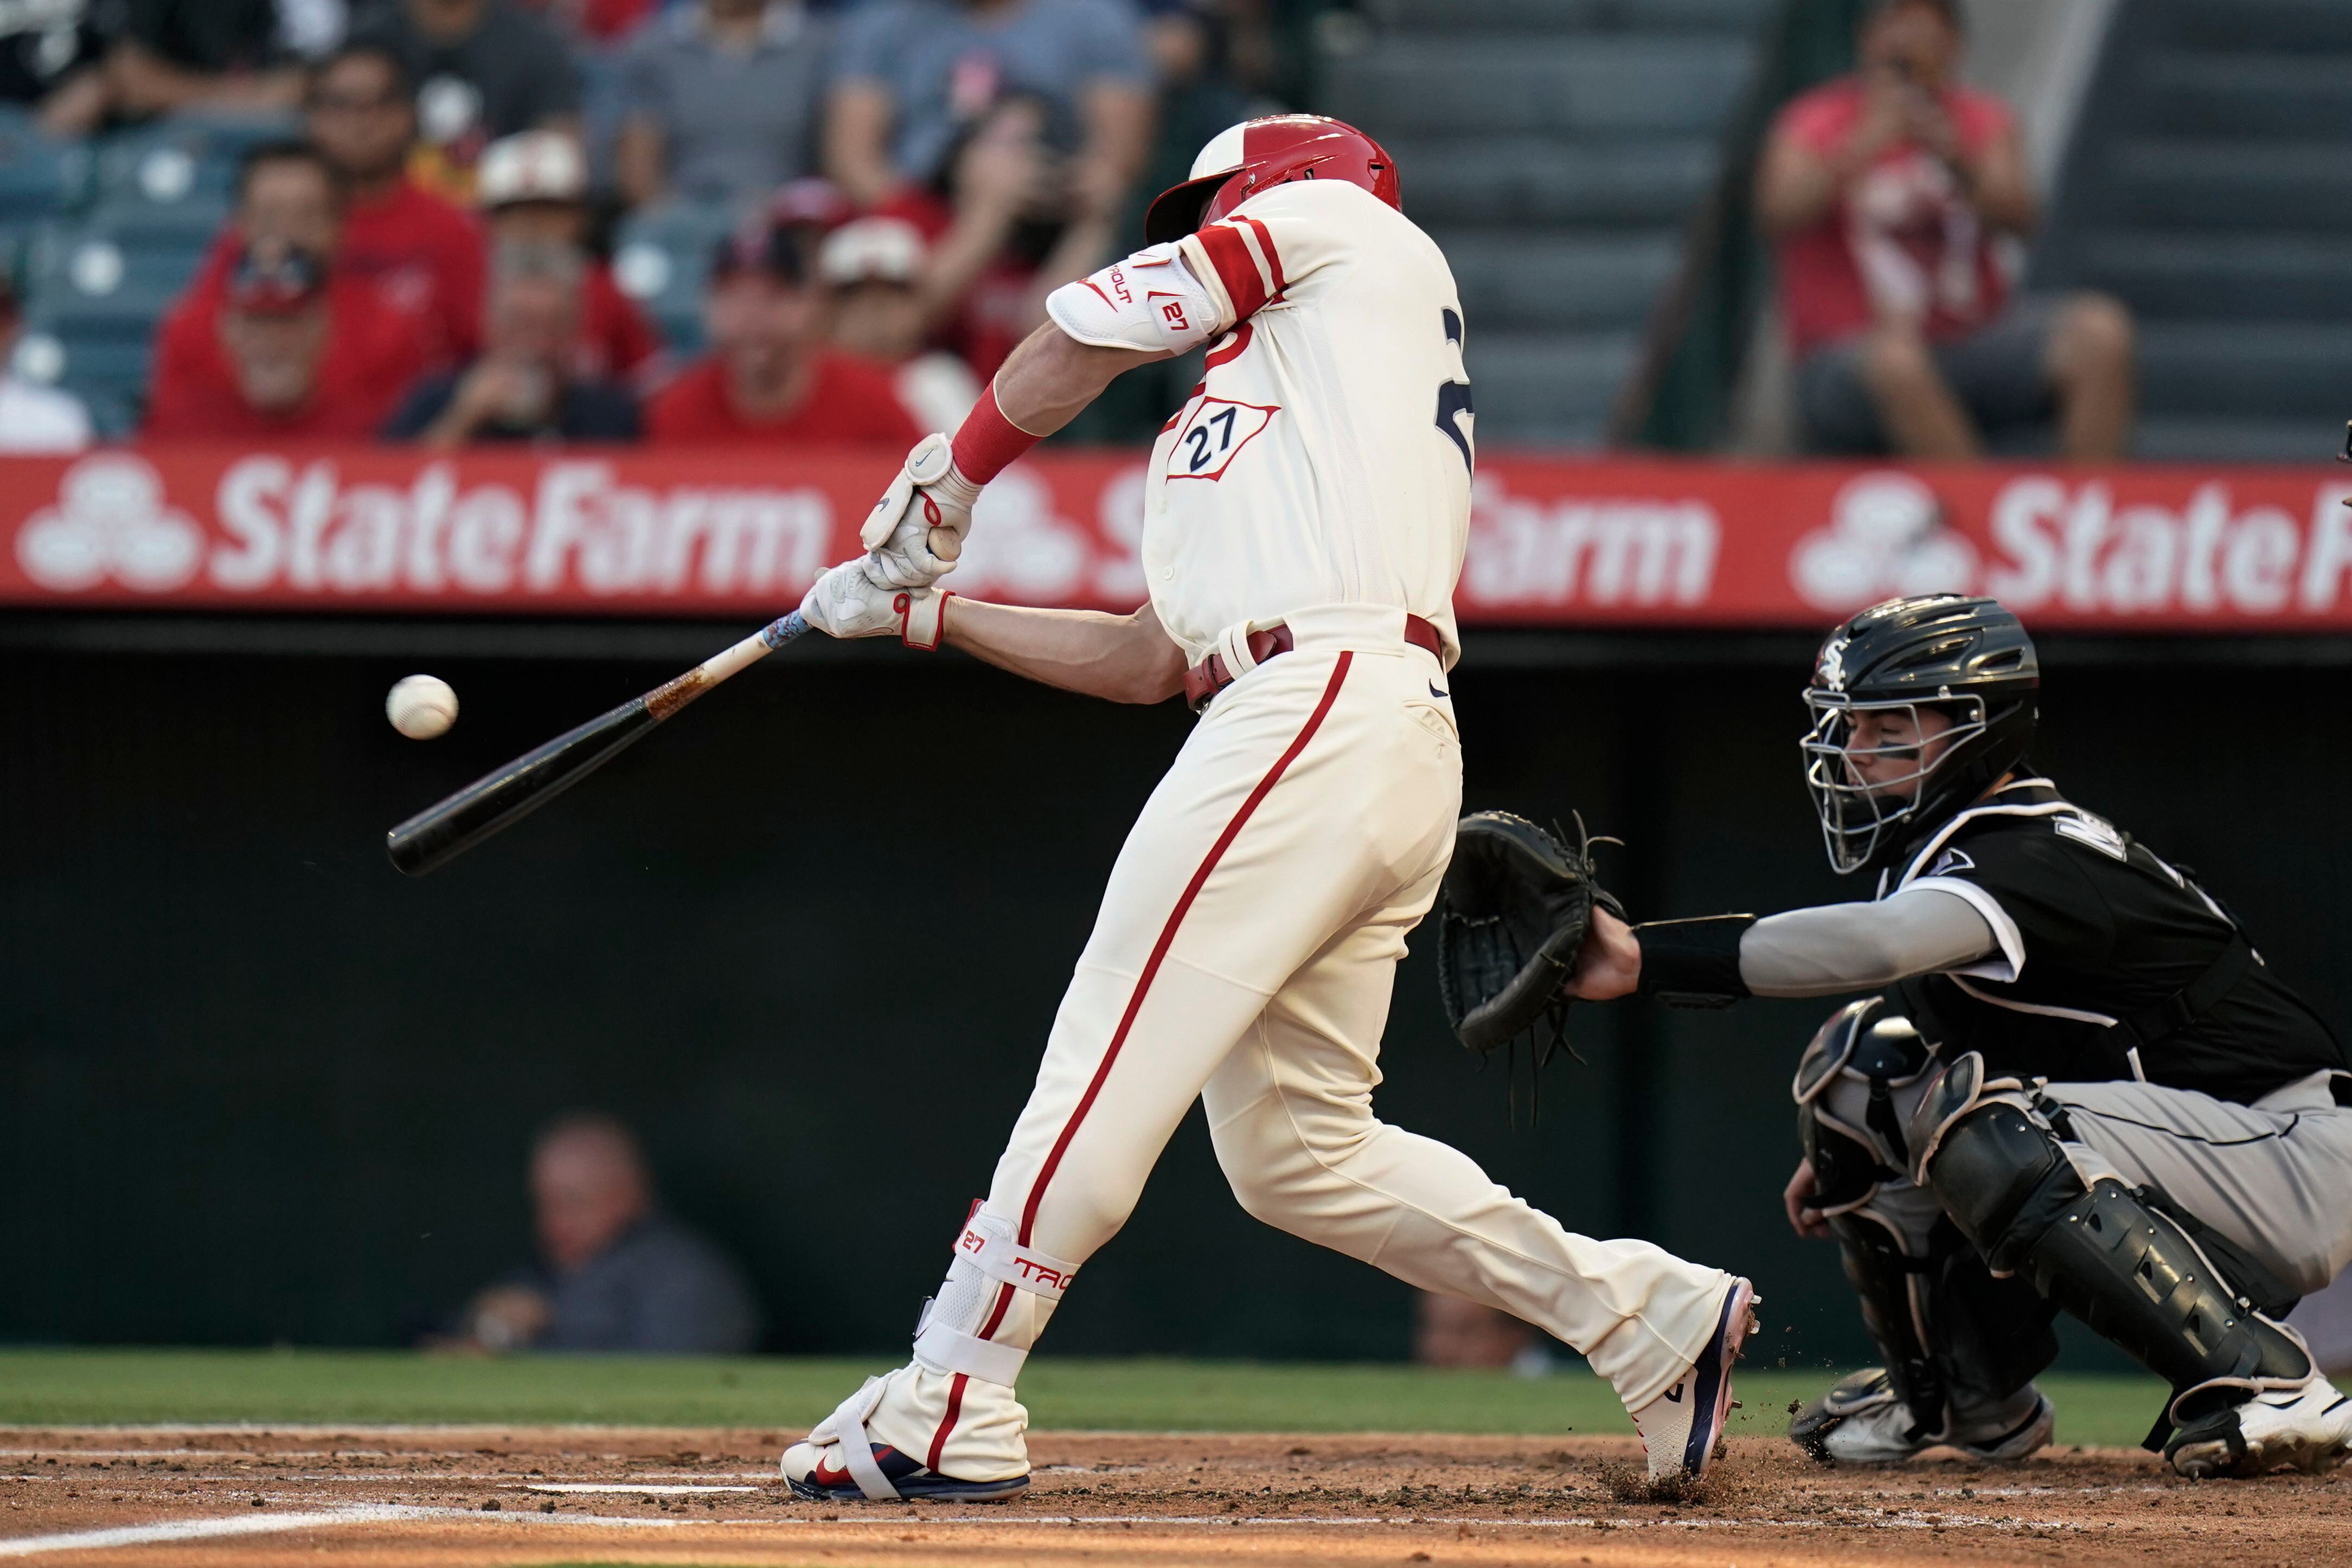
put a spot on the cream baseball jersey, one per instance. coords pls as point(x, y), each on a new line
point(1325, 456)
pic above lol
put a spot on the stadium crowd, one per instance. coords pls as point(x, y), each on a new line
point(672, 221)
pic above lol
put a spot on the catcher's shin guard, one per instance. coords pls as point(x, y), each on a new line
point(1959, 1346)
point(947, 1425)
point(2125, 1268)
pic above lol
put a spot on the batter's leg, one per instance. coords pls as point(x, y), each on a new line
point(1291, 1113)
point(1310, 791)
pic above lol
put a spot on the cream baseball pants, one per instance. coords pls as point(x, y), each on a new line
point(1244, 956)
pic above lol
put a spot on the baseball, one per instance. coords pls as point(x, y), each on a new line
point(422, 707)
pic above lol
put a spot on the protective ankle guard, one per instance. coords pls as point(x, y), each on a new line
point(948, 1338)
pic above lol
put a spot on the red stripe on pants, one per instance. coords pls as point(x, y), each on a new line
point(1135, 1005)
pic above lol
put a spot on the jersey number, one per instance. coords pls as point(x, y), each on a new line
point(1455, 417)
point(1218, 429)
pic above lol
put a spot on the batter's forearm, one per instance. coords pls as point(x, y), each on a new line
point(1050, 376)
point(1124, 658)
point(1834, 949)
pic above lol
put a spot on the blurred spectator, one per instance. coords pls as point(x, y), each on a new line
point(914, 75)
point(284, 357)
point(1887, 191)
point(1448, 1330)
point(51, 62)
point(1057, 92)
point(770, 379)
point(172, 54)
point(720, 101)
point(483, 69)
point(422, 253)
point(523, 387)
point(533, 188)
point(615, 1273)
point(873, 269)
point(999, 240)
point(33, 418)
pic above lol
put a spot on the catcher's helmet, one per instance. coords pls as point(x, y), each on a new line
point(1244, 159)
point(1967, 656)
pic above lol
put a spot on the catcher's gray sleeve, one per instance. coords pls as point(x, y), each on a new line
point(1837, 948)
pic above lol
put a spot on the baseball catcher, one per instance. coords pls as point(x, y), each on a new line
point(2079, 1086)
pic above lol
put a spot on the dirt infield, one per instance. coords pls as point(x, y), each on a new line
point(230, 1498)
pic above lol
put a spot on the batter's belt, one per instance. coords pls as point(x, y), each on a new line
point(1204, 680)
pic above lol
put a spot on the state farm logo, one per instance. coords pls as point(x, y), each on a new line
point(1637, 551)
point(1885, 540)
point(111, 520)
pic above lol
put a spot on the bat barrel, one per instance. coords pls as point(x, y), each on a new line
point(441, 832)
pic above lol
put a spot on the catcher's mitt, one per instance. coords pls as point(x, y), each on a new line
point(1516, 905)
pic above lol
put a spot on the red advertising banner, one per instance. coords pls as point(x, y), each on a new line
point(1553, 541)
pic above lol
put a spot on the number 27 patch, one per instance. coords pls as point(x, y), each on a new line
point(1218, 429)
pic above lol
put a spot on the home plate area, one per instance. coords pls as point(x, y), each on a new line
point(612, 1496)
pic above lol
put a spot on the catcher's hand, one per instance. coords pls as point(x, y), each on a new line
point(1517, 905)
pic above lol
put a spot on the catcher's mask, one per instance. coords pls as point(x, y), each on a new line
point(1967, 658)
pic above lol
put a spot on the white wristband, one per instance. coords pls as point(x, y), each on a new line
point(925, 619)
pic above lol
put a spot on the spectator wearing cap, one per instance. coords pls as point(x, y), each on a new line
point(533, 189)
point(33, 418)
point(719, 103)
point(873, 269)
point(483, 69)
point(1886, 192)
point(175, 54)
point(423, 252)
point(523, 387)
point(770, 378)
point(288, 202)
point(289, 358)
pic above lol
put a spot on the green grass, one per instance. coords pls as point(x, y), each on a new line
point(77, 1387)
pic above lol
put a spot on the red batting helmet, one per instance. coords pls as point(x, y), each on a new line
point(1245, 159)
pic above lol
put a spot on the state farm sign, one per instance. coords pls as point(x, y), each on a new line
point(1552, 541)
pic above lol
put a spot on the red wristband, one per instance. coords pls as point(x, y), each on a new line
point(987, 441)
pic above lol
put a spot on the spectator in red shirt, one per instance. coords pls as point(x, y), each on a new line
point(533, 187)
point(424, 254)
point(288, 357)
point(771, 380)
point(1886, 192)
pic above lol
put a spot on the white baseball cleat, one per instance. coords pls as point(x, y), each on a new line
point(1862, 1421)
point(840, 1461)
point(2308, 1428)
point(1681, 1429)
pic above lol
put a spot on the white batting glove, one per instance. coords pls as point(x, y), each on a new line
point(916, 530)
point(847, 602)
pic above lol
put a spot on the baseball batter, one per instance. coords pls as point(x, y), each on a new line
point(2083, 1088)
point(1303, 525)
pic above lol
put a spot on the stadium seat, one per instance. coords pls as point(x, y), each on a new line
point(182, 158)
point(662, 259)
point(1555, 148)
point(38, 177)
point(2209, 188)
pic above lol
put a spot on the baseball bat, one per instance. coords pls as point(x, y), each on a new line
point(496, 801)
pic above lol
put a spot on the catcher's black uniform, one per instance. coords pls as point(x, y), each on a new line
point(2114, 964)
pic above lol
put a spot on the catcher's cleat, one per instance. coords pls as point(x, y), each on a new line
point(2308, 1428)
point(1681, 1429)
point(1862, 1421)
point(839, 1462)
